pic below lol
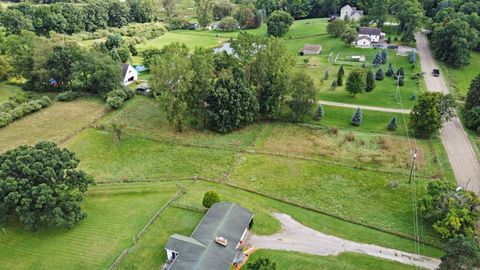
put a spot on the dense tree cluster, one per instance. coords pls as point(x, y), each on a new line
point(430, 112)
point(42, 186)
point(68, 18)
point(225, 92)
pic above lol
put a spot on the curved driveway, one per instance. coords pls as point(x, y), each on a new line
point(297, 237)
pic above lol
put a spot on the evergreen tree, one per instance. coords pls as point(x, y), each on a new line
point(400, 72)
point(377, 60)
point(357, 117)
point(412, 58)
point(325, 77)
point(473, 95)
point(319, 113)
point(339, 79)
point(384, 56)
point(356, 81)
point(393, 124)
point(379, 75)
point(370, 81)
point(341, 71)
point(389, 71)
point(334, 84)
point(400, 81)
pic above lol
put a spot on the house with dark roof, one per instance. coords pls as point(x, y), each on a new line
point(129, 74)
point(310, 49)
point(351, 13)
point(369, 36)
point(216, 242)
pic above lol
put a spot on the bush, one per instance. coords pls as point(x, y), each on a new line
point(210, 198)
point(177, 23)
point(228, 24)
point(45, 101)
point(114, 103)
point(5, 119)
point(67, 96)
point(320, 113)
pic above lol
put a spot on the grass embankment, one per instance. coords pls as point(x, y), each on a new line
point(115, 213)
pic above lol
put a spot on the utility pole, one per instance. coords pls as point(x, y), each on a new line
point(414, 159)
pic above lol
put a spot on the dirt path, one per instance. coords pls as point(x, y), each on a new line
point(297, 237)
point(369, 108)
point(459, 149)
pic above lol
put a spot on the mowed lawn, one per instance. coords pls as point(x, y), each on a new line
point(7, 91)
point(345, 261)
point(462, 77)
point(139, 159)
point(114, 215)
point(55, 123)
point(149, 252)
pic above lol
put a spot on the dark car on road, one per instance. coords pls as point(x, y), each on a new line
point(436, 72)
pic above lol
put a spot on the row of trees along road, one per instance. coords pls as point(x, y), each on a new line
point(223, 92)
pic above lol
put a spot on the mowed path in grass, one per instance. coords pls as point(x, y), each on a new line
point(55, 123)
point(115, 214)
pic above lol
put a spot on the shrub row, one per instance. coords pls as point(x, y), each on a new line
point(67, 96)
point(21, 109)
point(116, 98)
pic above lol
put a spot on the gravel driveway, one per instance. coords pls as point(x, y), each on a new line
point(297, 237)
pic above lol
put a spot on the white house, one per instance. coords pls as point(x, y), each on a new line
point(363, 41)
point(129, 73)
point(373, 33)
point(351, 13)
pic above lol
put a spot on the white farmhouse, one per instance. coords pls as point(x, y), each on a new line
point(351, 13)
point(129, 73)
point(373, 33)
point(364, 41)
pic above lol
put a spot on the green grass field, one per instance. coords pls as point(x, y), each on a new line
point(55, 123)
point(115, 213)
point(7, 91)
point(345, 261)
point(461, 78)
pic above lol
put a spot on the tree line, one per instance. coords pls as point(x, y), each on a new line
point(223, 92)
point(67, 18)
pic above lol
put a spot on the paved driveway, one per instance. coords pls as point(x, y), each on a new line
point(459, 149)
point(297, 237)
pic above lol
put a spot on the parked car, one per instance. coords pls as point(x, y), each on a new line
point(143, 89)
point(436, 72)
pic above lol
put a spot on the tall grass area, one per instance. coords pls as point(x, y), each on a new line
point(7, 90)
point(114, 215)
point(56, 123)
point(346, 261)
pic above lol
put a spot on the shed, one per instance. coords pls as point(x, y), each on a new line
point(129, 74)
point(310, 49)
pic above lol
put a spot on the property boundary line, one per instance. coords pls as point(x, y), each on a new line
point(125, 252)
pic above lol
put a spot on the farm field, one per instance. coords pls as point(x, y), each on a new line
point(55, 123)
point(115, 214)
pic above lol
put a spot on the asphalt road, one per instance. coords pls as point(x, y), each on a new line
point(459, 149)
point(297, 237)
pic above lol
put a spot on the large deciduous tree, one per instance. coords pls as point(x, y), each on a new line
point(278, 23)
point(204, 9)
point(453, 41)
point(410, 14)
point(42, 186)
point(460, 253)
point(171, 79)
point(336, 27)
point(303, 97)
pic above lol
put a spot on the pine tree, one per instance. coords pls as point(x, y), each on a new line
point(325, 77)
point(412, 58)
point(384, 56)
point(400, 72)
point(377, 60)
point(339, 79)
point(379, 75)
point(334, 84)
point(370, 81)
point(341, 71)
point(357, 117)
point(400, 81)
point(389, 71)
point(393, 124)
point(319, 113)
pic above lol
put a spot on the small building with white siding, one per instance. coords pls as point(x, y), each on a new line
point(130, 74)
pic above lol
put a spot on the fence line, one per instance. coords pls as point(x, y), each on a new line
point(122, 256)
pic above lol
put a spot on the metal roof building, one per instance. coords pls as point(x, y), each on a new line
point(201, 251)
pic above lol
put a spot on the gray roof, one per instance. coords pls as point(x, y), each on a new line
point(125, 69)
point(200, 251)
point(371, 31)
